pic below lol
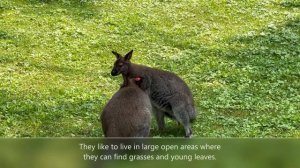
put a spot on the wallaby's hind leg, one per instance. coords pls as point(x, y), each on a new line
point(182, 116)
point(142, 132)
point(160, 118)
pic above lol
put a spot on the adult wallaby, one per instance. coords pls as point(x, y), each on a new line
point(170, 95)
point(128, 113)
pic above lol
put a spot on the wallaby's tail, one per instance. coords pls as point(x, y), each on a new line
point(192, 113)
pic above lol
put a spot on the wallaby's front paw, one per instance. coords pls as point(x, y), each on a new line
point(188, 133)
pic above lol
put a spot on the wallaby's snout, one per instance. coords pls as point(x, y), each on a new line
point(115, 72)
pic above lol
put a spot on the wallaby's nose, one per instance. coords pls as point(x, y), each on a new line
point(114, 72)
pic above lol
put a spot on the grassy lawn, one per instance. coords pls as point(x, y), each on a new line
point(240, 59)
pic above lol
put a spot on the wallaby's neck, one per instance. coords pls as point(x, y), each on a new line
point(136, 70)
point(131, 83)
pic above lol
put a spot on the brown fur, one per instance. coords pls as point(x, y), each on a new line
point(128, 113)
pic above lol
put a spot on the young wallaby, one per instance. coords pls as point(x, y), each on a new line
point(128, 112)
point(170, 96)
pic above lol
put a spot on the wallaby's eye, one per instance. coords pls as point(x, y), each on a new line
point(120, 64)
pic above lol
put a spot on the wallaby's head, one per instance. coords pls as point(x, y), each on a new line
point(121, 65)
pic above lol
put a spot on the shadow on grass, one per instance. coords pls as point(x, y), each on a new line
point(171, 130)
point(72, 8)
point(59, 69)
point(40, 116)
point(5, 35)
point(290, 4)
point(273, 51)
point(265, 79)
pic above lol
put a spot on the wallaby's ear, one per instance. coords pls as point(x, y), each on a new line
point(128, 55)
point(117, 54)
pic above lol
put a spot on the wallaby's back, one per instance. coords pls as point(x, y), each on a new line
point(164, 87)
point(167, 87)
point(127, 114)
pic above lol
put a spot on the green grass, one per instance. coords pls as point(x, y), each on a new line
point(240, 59)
